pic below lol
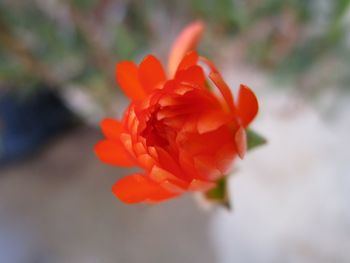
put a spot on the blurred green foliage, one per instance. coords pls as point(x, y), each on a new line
point(77, 41)
point(254, 139)
point(219, 194)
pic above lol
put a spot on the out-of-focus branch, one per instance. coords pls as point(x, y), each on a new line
point(99, 53)
point(14, 45)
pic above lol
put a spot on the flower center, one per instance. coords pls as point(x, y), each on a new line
point(156, 133)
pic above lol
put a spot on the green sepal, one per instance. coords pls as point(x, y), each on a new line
point(254, 139)
point(219, 194)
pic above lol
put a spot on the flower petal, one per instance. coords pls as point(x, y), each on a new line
point(111, 128)
point(128, 79)
point(212, 120)
point(225, 157)
point(210, 64)
point(168, 161)
point(159, 175)
point(224, 89)
point(199, 185)
point(193, 74)
point(146, 161)
point(186, 41)
point(247, 105)
point(206, 166)
point(126, 141)
point(113, 152)
point(151, 73)
point(241, 142)
point(190, 59)
point(138, 188)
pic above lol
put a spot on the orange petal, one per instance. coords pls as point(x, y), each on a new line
point(206, 166)
point(138, 188)
point(162, 195)
point(241, 142)
point(182, 89)
point(224, 89)
point(247, 105)
point(193, 74)
point(127, 143)
point(211, 121)
point(151, 73)
point(176, 187)
point(190, 59)
point(199, 185)
point(146, 161)
point(209, 64)
point(114, 153)
point(186, 162)
point(160, 175)
point(128, 79)
point(111, 128)
point(186, 41)
point(225, 157)
point(139, 148)
point(167, 161)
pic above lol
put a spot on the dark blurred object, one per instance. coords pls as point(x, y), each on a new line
point(28, 122)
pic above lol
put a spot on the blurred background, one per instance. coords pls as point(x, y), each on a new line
point(291, 197)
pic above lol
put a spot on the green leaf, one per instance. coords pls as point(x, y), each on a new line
point(254, 139)
point(219, 194)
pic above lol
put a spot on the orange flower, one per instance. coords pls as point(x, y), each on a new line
point(184, 130)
